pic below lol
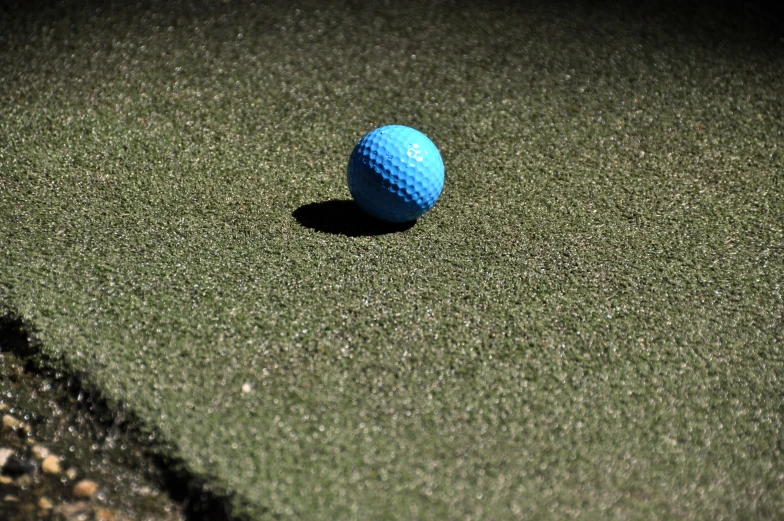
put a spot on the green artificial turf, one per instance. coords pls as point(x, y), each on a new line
point(587, 325)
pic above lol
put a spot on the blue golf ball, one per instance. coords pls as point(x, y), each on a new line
point(395, 173)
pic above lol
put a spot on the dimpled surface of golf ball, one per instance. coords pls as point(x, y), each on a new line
point(395, 173)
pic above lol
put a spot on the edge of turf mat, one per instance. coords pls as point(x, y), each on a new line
point(200, 501)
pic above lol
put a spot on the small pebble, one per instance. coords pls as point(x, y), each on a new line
point(51, 465)
point(5, 480)
point(85, 488)
point(44, 503)
point(40, 452)
point(103, 514)
point(4, 407)
point(10, 498)
point(246, 388)
point(71, 473)
point(11, 422)
point(71, 510)
point(4, 455)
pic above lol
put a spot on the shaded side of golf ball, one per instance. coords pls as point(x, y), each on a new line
point(395, 173)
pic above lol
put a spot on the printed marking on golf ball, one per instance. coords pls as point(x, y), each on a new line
point(395, 173)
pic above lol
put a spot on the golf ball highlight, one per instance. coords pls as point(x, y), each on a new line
point(395, 173)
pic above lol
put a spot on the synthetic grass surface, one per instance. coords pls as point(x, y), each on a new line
point(588, 324)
